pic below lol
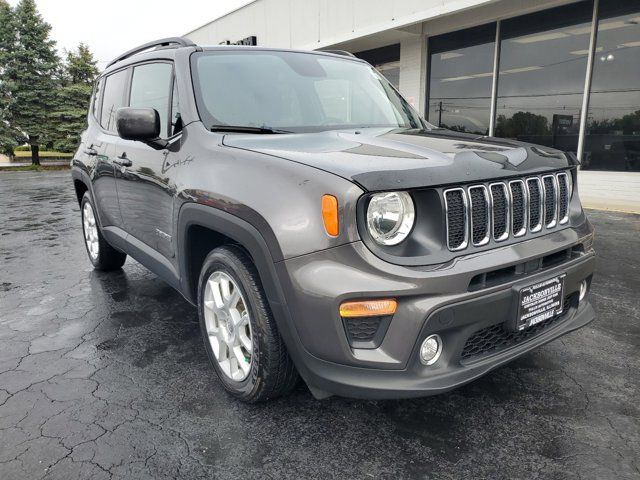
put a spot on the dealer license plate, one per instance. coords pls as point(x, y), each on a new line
point(540, 302)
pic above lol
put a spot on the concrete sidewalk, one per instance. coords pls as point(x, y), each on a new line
point(619, 191)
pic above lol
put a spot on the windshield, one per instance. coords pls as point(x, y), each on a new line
point(295, 92)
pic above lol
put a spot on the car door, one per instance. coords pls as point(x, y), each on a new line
point(101, 147)
point(145, 188)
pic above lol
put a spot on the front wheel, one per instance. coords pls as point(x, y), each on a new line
point(102, 255)
point(239, 331)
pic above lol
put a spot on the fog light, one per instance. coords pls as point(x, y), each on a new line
point(430, 350)
point(583, 290)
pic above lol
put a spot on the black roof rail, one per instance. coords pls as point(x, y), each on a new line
point(344, 53)
point(163, 42)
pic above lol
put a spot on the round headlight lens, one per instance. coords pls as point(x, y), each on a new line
point(390, 217)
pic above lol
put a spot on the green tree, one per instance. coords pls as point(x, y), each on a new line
point(80, 66)
point(32, 78)
point(8, 135)
point(70, 115)
point(522, 123)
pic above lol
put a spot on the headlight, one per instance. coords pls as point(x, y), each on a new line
point(390, 217)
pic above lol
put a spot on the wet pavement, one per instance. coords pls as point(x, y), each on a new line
point(105, 376)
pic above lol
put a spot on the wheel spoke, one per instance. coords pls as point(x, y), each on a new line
point(245, 341)
point(225, 287)
point(241, 360)
point(223, 350)
point(217, 294)
point(233, 298)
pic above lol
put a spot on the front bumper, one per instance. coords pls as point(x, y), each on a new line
point(430, 300)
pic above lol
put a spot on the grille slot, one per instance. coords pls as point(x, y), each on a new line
point(518, 208)
point(500, 202)
point(550, 201)
point(479, 215)
point(535, 204)
point(563, 198)
point(456, 212)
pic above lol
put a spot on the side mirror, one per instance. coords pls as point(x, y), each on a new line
point(140, 124)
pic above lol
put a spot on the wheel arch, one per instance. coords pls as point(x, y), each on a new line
point(202, 228)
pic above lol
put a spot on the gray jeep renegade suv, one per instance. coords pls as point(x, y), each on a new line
point(322, 227)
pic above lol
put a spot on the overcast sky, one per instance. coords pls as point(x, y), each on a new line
point(111, 27)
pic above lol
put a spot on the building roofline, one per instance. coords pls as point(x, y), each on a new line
point(250, 2)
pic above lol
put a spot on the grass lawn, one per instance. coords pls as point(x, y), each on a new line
point(34, 168)
point(43, 154)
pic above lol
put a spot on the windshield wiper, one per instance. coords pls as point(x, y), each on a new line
point(245, 129)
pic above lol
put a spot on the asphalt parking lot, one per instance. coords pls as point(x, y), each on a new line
point(105, 376)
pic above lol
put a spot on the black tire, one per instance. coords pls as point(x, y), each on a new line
point(272, 373)
point(107, 258)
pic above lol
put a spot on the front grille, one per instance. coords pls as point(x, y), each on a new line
point(549, 184)
point(500, 199)
point(534, 190)
point(495, 338)
point(518, 213)
point(563, 198)
point(479, 215)
point(500, 210)
point(456, 213)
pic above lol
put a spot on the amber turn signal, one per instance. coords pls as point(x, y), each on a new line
point(368, 308)
point(330, 214)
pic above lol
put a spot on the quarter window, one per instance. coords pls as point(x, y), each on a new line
point(176, 119)
point(113, 99)
point(95, 106)
point(151, 88)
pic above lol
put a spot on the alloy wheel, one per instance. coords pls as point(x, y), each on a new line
point(90, 231)
point(228, 325)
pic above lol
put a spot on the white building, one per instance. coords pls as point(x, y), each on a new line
point(523, 69)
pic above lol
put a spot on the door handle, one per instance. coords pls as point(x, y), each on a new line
point(123, 161)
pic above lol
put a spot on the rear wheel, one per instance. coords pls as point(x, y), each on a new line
point(102, 255)
point(239, 331)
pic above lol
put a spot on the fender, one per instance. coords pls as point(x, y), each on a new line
point(253, 241)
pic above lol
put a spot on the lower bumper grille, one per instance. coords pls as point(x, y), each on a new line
point(495, 338)
point(366, 332)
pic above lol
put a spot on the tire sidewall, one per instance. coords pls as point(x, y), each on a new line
point(218, 261)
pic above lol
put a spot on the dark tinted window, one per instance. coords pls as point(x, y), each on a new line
point(113, 99)
point(461, 67)
point(543, 59)
point(151, 88)
point(612, 139)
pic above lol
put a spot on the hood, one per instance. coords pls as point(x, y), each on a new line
point(404, 159)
